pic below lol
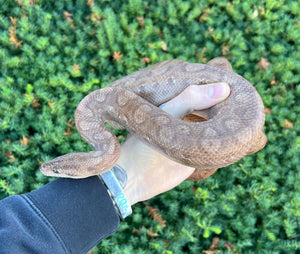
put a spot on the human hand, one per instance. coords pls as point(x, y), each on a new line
point(150, 173)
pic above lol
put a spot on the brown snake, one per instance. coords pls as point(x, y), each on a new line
point(234, 127)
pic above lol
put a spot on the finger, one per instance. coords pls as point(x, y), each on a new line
point(206, 96)
point(196, 97)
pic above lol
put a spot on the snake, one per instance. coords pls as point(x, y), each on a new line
point(232, 130)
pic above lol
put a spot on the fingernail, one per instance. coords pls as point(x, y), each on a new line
point(218, 90)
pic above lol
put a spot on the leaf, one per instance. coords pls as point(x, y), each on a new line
point(117, 56)
point(90, 3)
point(146, 60)
point(136, 231)
point(51, 104)
point(229, 246)
point(288, 124)
point(154, 214)
point(67, 16)
point(68, 132)
point(268, 111)
point(204, 15)
point(215, 243)
point(76, 68)
point(206, 233)
point(36, 103)
point(216, 230)
point(273, 81)
point(263, 63)
point(141, 22)
point(152, 234)
point(13, 33)
point(10, 156)
point(225, 50)
point(13, 21)
point(262, 10)
point(255, 14)
point(164, 46)
point(24, 141)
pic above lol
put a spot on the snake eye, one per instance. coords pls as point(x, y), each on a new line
point(56, 171)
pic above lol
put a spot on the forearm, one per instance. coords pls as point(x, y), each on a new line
point(64, 216)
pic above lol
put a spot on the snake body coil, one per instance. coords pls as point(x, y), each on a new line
point(234, 128)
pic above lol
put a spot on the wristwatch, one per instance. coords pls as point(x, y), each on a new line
point(116, 192)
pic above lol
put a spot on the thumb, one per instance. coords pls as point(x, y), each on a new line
point(196, 97)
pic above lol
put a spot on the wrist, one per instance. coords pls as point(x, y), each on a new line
point(113, 180)
point(131, 165)
point(127, 181)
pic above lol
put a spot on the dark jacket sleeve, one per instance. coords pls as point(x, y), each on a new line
point(64, 216)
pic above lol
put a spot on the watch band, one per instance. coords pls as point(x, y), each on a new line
point(116, 193)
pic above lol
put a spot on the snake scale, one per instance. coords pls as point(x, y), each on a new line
point(234, 127)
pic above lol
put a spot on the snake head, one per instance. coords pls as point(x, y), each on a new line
point(79, 165)
point(53, 168)
point(63, 166)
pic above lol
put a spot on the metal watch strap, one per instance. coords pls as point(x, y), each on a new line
point(116, 193)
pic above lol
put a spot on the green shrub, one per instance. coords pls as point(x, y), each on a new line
point(53, 53)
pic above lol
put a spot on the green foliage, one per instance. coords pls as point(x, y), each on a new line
point(53, 53)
